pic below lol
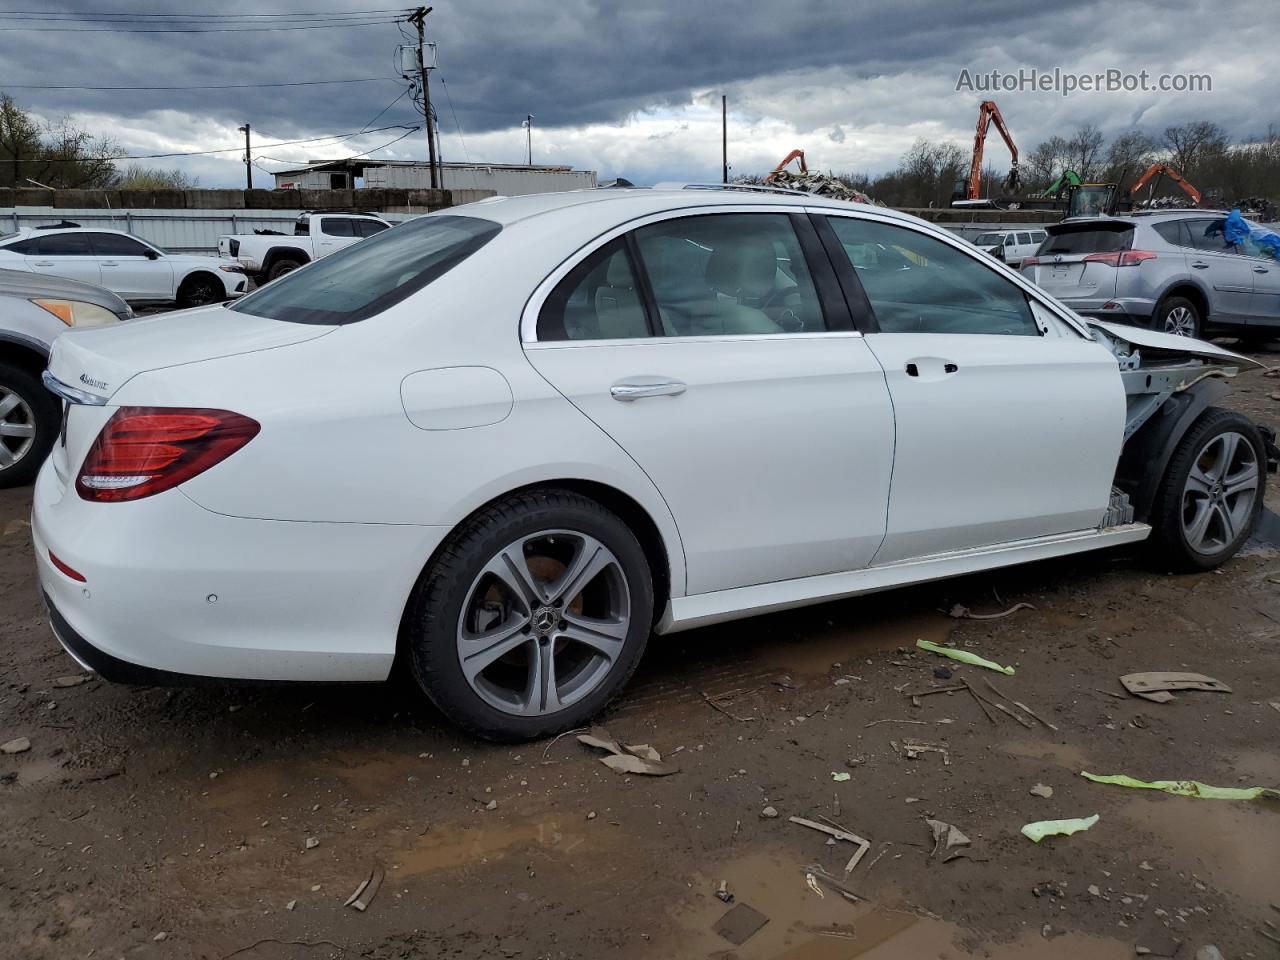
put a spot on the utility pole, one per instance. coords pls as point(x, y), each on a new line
point(418, 18)
point(528, 135)
point(248, 162)
point(724, 138)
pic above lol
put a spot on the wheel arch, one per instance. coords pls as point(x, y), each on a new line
point(1191, 291)
point(1147, 453)
point(283, 253)
point(199, 274)
point(664, 564)
point(24, 354)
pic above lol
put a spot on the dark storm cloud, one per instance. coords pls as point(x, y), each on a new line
point(576, 62)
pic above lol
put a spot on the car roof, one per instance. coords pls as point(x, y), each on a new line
point(616, 205)
point(23, 283)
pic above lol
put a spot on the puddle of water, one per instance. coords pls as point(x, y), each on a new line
point(1232, 845)
point(449, 846)
point(1067, 755)
point(804, 926)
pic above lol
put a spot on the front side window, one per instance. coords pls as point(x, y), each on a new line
point(599, 299)
point(729, 274)
point(363, 279)
point(918, 284)
point(114, 245)
point(367, 228)
point(64, 245)
point(1024, 238)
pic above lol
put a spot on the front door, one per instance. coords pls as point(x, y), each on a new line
point(699, 344)
point(129, 271)
point(1009, 423)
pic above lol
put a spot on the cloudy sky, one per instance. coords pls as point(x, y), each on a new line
point(628, 88)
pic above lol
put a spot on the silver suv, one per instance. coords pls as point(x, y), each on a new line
point(34, 309)
point(1170, 270)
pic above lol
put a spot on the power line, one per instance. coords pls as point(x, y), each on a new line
point(200, 86)
point(203, 16)
point(243, 28)
point(356, 156)
point(202, 153)
point(386, 108)
point(466, 156)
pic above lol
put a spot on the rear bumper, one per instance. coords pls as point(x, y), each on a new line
point(1133, 310)
point(176, 594)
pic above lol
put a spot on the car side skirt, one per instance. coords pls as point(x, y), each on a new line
point(686, 613)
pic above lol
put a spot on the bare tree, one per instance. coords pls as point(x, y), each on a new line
point(136, 177)
point(1084, 152)
point(1129, 154)
point(1193, 145)
point(57, 154)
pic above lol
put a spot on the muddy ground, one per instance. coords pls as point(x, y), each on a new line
point(156, 823)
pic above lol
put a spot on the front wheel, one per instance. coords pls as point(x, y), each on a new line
point(200, 291)
point(1211, 496)
point(1180, 317)
point(28, 425)
point(533, 616)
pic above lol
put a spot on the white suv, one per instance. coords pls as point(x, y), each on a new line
point(510, 440)
point(1011, 246)
point(138, 271)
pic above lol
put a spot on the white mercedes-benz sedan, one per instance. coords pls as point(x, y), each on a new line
point(507, 442)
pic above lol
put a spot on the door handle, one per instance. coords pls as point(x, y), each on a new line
point(1261, 270)
point(108, 263)
point(44, 263)
point(626, 391)
point(1200, 266)
point(913, 368)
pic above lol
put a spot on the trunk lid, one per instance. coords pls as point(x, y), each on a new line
point(98, 362)
point(1061, 268)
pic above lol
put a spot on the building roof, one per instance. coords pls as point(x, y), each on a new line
point(357, 166)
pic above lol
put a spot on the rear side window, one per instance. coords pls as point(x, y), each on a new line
point(1208, 235)
point(26, 248)
point(364, 279)
point(599, 299)
point(302, 227)
point(1088, 241)
point(918, 284)
point(1173, 231)
point(1037, 236)
point(64, 245)
point(1024, 238)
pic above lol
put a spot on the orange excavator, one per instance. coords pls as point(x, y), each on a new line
point(793, 155)
point(1159, 171)
point(971, 189)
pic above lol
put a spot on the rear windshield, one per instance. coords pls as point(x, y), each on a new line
point(1087, 241)
point(368, 277)
point(988, 239)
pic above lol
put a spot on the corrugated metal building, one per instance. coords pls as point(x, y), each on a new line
point(506, 179)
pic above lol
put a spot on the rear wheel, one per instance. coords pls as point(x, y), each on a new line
point(1211, 496)
point(200, 291)
point(281, 267)
point(1180, 317)
point(28, 425)
point(533, 616)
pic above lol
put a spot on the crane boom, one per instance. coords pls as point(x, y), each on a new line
point(987, 113)
point(1163, 169)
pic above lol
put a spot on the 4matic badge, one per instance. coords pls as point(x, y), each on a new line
point(88, 381)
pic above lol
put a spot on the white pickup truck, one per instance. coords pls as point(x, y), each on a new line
point(267, 255)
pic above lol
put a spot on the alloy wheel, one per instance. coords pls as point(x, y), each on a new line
point(1220, 493)
point(1180, 321)
point(17, 428)
point(202, 294)
point(544, 622)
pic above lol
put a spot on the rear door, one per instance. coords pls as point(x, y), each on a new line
point(1008, 421)
point(128, 270)
point(1265, 303)
point(335, 233)
point(1222, 268)
point(65, 255)
point(702, 346)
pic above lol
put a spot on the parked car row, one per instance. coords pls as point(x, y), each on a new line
point(505, 443)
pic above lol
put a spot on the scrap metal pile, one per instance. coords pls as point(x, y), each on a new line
point(822, 184)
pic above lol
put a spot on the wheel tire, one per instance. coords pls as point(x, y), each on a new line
point(1179, 316)
point(281, 267)
point(436, 610)
point(38, 409)
point(1171, 543)
point(200, 291)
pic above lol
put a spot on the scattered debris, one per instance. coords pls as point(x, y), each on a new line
point(984, 702)
point(769, 813)
point(964, 656)
point(874, 722)
point(491, 805)
point(310, 843)
point(367, 890)
point(161, 936)
point(291, 905)
point(1040, 790)
point(740, 924)
point(1035, 832)
point(72, 681)
point(1209, 952)
point(961, 612)
point(717, 703)
point(840, 776)
point(723, 893)
point(833, 883)
point(812, 882)
point(1019, 704)
point(943, 673)
point(16, 745)
point(1156, 686)
point(946, 837)
point(821, 184)
point(914, 748)
point(840, 833)
point(1187, 788)
point(627, 758)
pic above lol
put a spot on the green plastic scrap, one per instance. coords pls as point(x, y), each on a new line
point(840, 777)
point(1035, 832)
point(1187, 788)
point(964, 656)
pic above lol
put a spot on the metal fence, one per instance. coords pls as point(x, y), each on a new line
point(177, 231)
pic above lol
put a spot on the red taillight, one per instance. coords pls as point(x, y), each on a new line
point(71, 572)
point(1030, 261)
point(144, 450)
point(1121, 258)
